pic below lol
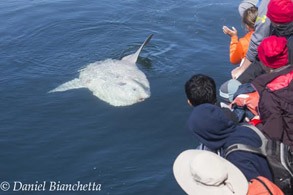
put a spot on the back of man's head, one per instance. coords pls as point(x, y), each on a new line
point(201, 89)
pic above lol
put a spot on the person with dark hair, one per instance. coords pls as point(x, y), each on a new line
point(212, 128)
point(201, 89)
point(216, 131)
point(239, 48)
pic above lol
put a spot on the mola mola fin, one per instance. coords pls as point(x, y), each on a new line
point(73, 84)
point(133, 57)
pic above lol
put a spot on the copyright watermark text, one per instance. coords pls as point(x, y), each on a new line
point(51, 186)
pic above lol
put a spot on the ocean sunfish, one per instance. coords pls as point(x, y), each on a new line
point(117, 82)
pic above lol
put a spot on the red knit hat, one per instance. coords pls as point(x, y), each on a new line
point(280, 11)
point(273, 52)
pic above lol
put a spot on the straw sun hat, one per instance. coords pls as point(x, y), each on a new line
point(205, 173)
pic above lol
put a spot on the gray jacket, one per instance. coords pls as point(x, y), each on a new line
point(262, 30)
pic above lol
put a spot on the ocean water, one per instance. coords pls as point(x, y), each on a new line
point(73, 136)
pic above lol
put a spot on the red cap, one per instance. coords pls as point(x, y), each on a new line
point(273, 52)
point(280, 11)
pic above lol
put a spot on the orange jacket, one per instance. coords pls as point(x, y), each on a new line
point(239, 48)
point(263, 186)
point(250, 100)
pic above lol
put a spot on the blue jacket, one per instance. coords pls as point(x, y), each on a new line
point(212, 128)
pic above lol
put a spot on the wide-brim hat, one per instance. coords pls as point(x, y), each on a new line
point(205, 173)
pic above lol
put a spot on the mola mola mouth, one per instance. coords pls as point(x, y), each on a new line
point(118, 82)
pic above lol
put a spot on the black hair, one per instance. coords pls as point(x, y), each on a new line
point(201, 89)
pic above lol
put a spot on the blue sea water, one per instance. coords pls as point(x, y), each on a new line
point(73, 136)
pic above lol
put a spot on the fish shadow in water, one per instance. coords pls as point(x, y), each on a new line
point(144, 62)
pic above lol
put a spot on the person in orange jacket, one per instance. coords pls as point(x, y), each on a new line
point(239, 48)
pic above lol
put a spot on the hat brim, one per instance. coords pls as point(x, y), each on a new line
point(181, 170)
point(245, 5)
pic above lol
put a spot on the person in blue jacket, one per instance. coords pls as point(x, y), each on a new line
point(216, 131)
point(201, 89)
point(211, 127)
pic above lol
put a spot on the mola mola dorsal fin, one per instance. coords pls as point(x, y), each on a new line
point(133, 57)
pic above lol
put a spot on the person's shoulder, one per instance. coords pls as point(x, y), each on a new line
point(228, 112)
point(246, 38)
point(247, 135)
point(248, 35)
point(206, 105)
point(207, 110)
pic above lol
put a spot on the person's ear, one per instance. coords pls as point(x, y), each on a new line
point(188, 101)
